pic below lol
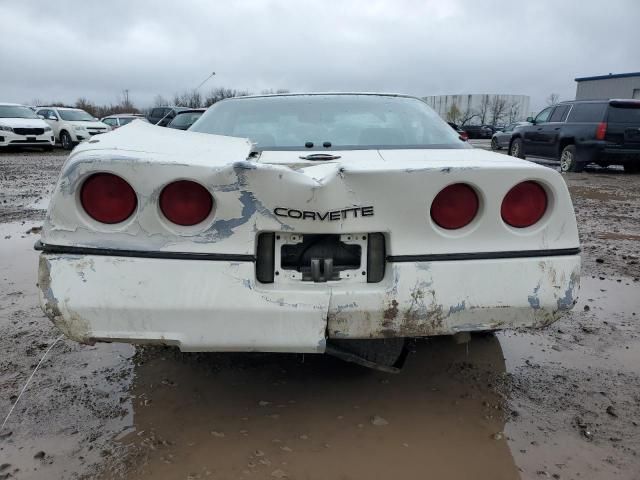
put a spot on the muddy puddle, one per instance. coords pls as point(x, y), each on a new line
point(78, 401)
point(561, 403)
point(513, 405)
point(575, 387)
point(293, 416)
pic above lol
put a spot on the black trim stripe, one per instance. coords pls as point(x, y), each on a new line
point(110, 252)
point(483, 255)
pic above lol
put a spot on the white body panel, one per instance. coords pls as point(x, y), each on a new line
point(12, 138)
point(219, 305)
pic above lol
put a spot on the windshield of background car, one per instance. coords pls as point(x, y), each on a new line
point(185, 119)
point(16, 111)
point(75, 115)
point(324, 122)
point(125, 120)
point(624, 115)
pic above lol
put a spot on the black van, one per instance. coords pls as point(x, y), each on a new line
point(604, 132)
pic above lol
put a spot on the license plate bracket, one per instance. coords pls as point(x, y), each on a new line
point(320, 258)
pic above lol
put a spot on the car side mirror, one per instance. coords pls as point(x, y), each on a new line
point(531, 120)
point(52, 117)
point(95, 119)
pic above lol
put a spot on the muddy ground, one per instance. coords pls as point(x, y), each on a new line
point(561, 403)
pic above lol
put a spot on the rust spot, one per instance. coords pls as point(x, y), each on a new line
point(391, 313)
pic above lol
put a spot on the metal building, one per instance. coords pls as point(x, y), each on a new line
point(480, 109)
point(602, 87)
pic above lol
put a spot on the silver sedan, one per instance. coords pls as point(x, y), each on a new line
point(502, 137)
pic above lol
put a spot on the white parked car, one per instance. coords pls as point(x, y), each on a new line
point(122, 119)
point(21, 127)
point(339, 223)
point(71, 125)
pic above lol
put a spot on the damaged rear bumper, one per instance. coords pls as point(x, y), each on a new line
point(215, 305)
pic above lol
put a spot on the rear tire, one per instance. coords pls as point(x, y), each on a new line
point(495, 145)
point(516, 148)
point(569, 160)
point(631, 168)
point(65, 140)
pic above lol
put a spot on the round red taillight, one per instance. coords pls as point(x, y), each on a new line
point(108, 198)
point(185, 202)
point(524, 205)
point(455, 206)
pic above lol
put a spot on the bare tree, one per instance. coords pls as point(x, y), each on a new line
point(553, 98)
point(87, 106)
point(160, 101)
point(483, 110)
point(190, 98)
point(271, 91)
point(513, 112)
point(460, 117)
point(125, 101)
point(466, 116)
point(221, 93)
point(453, 114)
point(498, 108)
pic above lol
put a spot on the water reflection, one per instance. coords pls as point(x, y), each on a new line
point(266, 416)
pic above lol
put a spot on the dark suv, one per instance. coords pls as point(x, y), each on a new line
point(605, 132)
point(162, 116)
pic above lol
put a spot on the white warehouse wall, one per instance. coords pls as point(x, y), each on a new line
point(516, 107)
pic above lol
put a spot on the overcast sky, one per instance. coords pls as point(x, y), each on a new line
point(68, 49)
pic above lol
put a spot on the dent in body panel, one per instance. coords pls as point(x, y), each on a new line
point(69, 322)
point(428, 308)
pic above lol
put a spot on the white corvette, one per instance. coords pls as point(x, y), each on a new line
point(340, 223)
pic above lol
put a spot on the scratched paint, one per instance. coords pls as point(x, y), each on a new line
point(87, 298)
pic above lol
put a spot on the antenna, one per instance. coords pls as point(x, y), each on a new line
point(205, 80)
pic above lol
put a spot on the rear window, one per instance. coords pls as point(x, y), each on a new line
point(587, 112)
point(324, 122)
point(624, 115)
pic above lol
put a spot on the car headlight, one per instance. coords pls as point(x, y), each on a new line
point(78, 128)
point(5, 128)
point(47, 129)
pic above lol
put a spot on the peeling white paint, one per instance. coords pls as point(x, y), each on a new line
point(215, 305)
point(400, 184)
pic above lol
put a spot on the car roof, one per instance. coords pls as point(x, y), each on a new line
point(60, 108)
point(191, 110)
point(313, 94)
point(120, 115)
point(7, 104)
point(571, 102)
